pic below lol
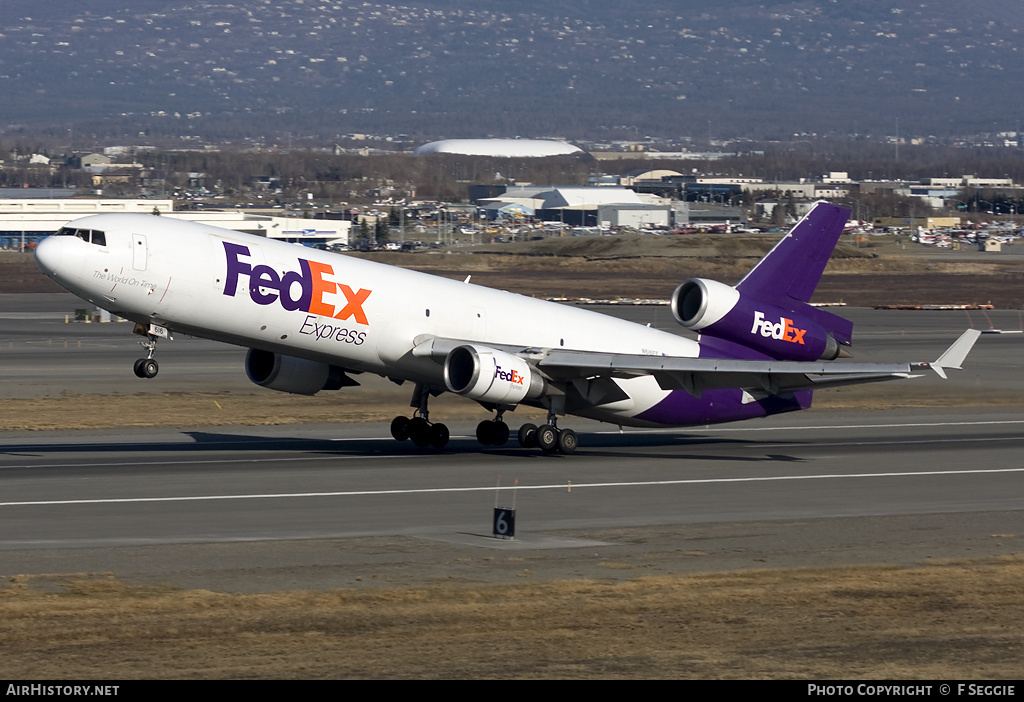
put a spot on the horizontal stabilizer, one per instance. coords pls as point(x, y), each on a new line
point(954, 356)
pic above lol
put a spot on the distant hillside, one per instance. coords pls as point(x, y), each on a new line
point(592, 69)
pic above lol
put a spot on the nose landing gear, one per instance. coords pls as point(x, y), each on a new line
point(147, 367)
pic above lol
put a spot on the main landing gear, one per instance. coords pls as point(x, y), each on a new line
point(547, 437)
point(419, 429)
point(491, 432)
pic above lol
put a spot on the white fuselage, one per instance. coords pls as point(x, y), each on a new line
point(356, 314)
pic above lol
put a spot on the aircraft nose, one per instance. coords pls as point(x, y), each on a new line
point(48, 254)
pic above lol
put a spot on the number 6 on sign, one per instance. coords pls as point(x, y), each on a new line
point(504, 522)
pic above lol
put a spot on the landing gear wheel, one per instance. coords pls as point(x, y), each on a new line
point(528, 435)
point(567, 441)
point(547, 438)
point(146, 368)
point(438, 435)
point(500, 436)
point(419, 431)
point(484, 433)
point(492, 433)
point(400, 428)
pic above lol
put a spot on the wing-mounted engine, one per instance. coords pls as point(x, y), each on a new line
point(295, 375)
point(492, 376)
point(796, 331)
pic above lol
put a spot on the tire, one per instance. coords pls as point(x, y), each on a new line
point(547, 438)
point(419, 431)
point(400, 428)
point(485, 433)
point(438, 435)
point(138, 368)
point(499, 433)
point(567, 441)
point(528, 435)
point(149, 367)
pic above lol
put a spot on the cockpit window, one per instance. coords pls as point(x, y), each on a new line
point(94, 236)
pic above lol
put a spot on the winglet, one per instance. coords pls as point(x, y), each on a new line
point(954, 356)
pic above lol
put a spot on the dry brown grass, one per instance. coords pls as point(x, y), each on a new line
point(208, 409)
point(957, 620)
point(268, 409)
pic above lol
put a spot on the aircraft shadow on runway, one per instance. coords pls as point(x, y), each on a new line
point(598, 445)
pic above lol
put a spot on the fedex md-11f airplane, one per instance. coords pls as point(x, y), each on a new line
point(313, 319)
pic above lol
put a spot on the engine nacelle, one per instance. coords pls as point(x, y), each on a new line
point(796, 332)
point(488, 375)
point(699, 303)
point(290, 374)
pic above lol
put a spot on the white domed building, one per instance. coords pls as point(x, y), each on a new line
point(501, 148)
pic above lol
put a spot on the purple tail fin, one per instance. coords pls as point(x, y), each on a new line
point(788, 274)
point(793, 268)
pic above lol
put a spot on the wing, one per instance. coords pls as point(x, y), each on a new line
point(696, 375)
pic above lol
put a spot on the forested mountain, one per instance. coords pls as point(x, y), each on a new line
point(591, 69)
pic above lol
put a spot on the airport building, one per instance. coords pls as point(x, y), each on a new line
point(501, 148)
point(24, 221)
point(581, 206)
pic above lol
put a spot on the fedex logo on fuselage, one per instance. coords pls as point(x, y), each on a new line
point(296, 290)
point(782, 329)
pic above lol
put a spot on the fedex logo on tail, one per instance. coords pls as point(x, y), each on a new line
point(783, 329)
point(303, 289)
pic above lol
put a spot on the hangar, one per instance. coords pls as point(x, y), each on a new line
point(586, 206)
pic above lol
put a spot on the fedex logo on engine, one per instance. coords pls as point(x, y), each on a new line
point(783, 329)
point(510, 376)
point(296, 290)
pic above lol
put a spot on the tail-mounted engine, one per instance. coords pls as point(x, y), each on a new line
point(488, 375)
point(295, 375)
point(797, 332)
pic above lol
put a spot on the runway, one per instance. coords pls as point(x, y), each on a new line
point(315, 506)
point(106, 493)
